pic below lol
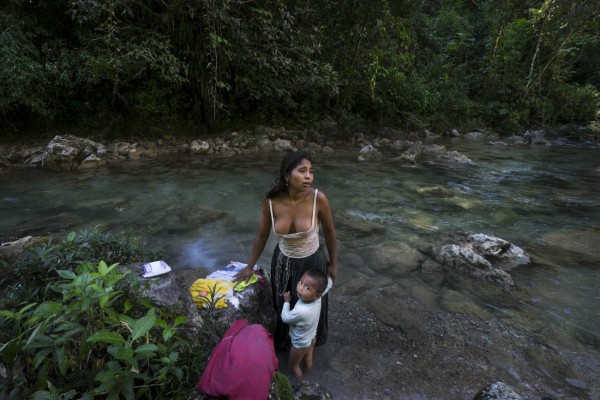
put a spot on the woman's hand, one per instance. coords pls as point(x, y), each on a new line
point(244, 274)
point(332, 270)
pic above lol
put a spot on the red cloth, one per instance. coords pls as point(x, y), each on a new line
point(242, 365)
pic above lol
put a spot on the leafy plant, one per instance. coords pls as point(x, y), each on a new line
point(36, 271)
point(95, 341)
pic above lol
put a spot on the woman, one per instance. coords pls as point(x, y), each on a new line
point(293, 210)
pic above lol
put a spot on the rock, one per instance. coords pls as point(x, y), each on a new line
point(36, 161)
point(355, 285)
point(408, 159)
point(562, 246)
point(421, 220)
point(351, 260)
point(464, 258)
point(255, 305)
point(576, 383)
point(505, 255)
point(200, 147)
point(382, 142)
point(400, 144)
point(396, 258)
point(312, 391)
point(537, 138)
point(283, 145)
point(311, 147)
point(133, 153)
point(184, 149)
point(356, 223)
point(429, 134)
point(432, 273)
point(121, 148)
point(456, 302)
point(434, 149)
point(67, 152)
point(265, 144)
point(474, 135)
point(225, 151)
point(394, 312)
point(369, 153)
point(438, 154)
point(483, 257)
point(497, 391)
point(454, 157)
point(11, 252)
point(30, 157)
point(516, 140)
point(92, 161)
point(173, 289)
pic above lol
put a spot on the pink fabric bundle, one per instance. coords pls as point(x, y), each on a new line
point(242, 365)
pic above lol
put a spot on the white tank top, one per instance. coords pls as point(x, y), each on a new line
point(299, 244)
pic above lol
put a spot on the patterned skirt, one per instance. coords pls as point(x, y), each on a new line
point(285, 274)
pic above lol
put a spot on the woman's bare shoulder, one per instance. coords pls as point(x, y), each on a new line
point(321, 197)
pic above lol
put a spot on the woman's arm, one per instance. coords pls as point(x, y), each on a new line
point(259, 243)
point(326, 219)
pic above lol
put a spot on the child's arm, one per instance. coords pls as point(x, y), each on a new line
point(329, 285)
point(289, 316)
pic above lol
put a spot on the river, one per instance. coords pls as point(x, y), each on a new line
point(203, 211)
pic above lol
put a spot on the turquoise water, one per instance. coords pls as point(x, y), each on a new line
point(203, 212)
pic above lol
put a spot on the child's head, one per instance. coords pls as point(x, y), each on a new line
point(311, 285)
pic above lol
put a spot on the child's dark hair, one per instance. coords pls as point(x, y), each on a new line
point(290, 161)
point(320, 277)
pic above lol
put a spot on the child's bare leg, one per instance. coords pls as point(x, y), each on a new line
point(308, 359)
point(296, 356)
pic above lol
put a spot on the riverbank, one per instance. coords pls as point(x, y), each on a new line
point(443, 356)
point(375, 333)
point(64, 150)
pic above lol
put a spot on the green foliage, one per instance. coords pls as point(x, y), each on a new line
point(436, 64)
point(21, 72)
point(32, 275)
point(284, 387)
point(95, 338)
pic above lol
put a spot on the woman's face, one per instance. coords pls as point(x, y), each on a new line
point(302, 176)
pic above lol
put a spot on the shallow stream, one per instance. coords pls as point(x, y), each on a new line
point(203, 212)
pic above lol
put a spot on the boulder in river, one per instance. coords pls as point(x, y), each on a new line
point(68, 152)
point(484, 257)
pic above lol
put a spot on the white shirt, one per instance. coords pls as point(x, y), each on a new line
point(303, 319)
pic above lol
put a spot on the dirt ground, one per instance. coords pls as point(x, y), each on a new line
point(443, 356)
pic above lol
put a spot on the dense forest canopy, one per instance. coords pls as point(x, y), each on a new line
point(415, 64)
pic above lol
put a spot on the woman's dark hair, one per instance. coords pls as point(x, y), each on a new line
point(290, 161)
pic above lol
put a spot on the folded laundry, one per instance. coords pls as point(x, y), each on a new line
point(229, 272)
point(211, 291)
point(220, 285)
point(222, 275)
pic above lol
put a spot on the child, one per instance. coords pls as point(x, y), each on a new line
point(304, 318)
